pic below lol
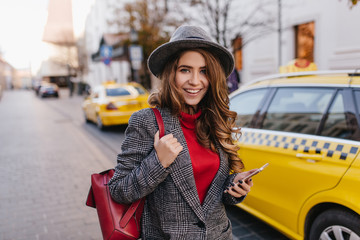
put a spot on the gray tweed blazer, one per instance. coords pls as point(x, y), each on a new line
point(172, 209)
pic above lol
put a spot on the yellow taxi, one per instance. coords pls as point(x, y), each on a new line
point(306, 126)
point(113, 103)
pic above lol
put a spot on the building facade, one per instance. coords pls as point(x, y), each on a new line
point(322, 31)
point(319, 31)
point(99, 30)
point(7, 75)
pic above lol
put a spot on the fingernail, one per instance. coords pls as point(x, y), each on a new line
point(240, 181)
point(232, 184)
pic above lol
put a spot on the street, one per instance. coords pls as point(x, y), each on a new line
point(47, 154)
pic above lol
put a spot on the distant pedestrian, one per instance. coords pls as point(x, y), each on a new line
point(185, 176)
point(233, 81)
point(71, 87)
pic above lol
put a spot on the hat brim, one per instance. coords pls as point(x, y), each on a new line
point(160, 56)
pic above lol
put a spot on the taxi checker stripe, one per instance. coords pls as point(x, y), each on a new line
point(330, 149)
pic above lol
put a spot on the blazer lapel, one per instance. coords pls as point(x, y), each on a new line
point(216, 186)
point(181, 169)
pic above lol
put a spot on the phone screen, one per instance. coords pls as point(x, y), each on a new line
point(256, 172)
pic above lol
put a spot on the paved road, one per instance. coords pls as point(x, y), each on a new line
point(47, 154)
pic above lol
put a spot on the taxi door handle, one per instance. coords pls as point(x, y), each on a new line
point(310, 157)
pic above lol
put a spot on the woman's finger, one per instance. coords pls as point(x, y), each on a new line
point(156, 138)
point(234, 193)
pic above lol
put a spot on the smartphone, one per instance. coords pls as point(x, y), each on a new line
point(256, 172)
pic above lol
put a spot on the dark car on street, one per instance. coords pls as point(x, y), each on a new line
point(48, 90)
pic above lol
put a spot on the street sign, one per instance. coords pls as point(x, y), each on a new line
point(106, 53)
point(136, 56)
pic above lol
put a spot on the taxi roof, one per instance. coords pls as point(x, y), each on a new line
point(115, 84)
point(329, 78)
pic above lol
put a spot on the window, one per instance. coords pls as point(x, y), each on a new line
point(339, 122)
point(113, 92)
point(297, 110)
point(237, 46)
point(140, 90)
point(246, 104)
point(357, 101)
point(304, 41)
point(335, 125)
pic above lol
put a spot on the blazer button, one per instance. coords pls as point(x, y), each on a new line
point(200, 224)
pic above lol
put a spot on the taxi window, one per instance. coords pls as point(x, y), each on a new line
point(357, 100)
point(246, 104)
point(338, 123)
point(114, 92)
point(140, 90)
point(298, 109)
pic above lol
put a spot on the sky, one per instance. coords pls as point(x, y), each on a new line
point(21, 28)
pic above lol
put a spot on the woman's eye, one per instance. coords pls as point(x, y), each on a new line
point(184, 70)
point(203, 71)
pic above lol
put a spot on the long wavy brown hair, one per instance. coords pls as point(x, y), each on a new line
point(217, 122)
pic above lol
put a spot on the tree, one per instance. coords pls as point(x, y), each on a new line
point(228, 19)
point(352, 3)
point(153, 23)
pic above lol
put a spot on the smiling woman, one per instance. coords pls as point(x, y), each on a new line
point(185, 175)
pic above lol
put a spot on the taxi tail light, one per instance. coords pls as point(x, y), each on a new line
point(111, 106)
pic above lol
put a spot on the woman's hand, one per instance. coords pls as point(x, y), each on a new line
point(240, 188)
point(167, 149)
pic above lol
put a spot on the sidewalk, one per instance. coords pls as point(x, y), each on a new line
point(45, 163)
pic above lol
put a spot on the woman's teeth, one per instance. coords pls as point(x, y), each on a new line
point(192, 91)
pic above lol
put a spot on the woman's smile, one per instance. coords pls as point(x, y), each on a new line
point(193, 91)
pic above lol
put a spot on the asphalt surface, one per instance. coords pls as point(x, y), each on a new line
point(47, 154)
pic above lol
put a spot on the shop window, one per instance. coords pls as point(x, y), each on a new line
point(304, 41)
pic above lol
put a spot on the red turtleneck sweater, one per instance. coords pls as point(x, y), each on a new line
point(205, 162)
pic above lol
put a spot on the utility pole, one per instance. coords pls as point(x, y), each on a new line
point(280, 33)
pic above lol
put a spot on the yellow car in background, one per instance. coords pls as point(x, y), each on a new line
point(306, 126)
point(113, 103)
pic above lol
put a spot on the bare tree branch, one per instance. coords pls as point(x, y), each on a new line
point(226, 22)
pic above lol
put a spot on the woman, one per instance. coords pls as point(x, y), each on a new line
point(185, 175)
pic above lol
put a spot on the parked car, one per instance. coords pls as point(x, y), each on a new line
point(48, 90)
point(306, 126)
point(112, 103)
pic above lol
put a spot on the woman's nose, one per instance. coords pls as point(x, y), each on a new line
point(194, 79)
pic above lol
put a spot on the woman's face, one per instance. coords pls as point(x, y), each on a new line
point(191, 78)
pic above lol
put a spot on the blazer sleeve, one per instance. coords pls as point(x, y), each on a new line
point(227, 198)
point(138, 171)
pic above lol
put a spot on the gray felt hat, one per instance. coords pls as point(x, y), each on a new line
point(189, 37)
